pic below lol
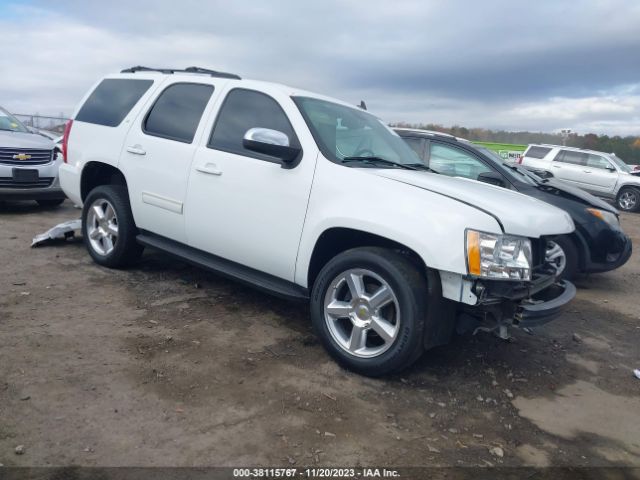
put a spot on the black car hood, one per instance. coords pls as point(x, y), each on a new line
point(561, 189)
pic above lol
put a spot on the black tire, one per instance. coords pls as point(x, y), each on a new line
point(625, 192)
point(572, 257)
point(408, 285)
point(47, 203)
point(126, 250)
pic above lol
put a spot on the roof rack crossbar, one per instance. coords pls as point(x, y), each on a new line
point(169, 71)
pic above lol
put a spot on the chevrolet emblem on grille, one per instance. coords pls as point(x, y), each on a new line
point(21, 156)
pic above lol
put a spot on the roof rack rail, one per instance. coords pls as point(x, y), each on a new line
point(204, 71)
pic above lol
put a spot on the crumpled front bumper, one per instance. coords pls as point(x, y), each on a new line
point(526, 304)
point(534, 311)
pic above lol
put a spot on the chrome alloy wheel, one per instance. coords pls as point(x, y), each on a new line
point(628, 200)
point(362, 313)
point(102, 226)
point(556, 256)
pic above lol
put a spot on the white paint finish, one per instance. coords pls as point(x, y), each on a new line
point(363, 199)
point(247, 210)
point(269, 218)
point(157, 170)
point(162, 202)
point(519, 214)
point(455, 287)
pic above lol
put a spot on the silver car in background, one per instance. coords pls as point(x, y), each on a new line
point(29, 164)
point(599, 173)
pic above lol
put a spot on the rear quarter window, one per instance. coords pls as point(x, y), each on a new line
point(537, 152)
point(112, 100)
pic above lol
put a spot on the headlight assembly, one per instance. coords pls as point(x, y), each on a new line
point(605, 216)
point(498, 257)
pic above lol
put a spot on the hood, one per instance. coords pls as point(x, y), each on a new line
point(24, 140)
point(518, 214)
point(556, 187)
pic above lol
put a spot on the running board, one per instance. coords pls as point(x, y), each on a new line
point(226, 268)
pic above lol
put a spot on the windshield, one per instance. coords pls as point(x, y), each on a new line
point(347, 133)
point(516, 172)
point(10, 123)
point(620, 163)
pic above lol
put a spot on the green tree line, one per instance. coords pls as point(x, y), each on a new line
point(627, 148)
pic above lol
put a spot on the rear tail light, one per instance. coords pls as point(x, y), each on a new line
point(65, 141)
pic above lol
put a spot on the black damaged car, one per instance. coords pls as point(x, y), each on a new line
point(598, 243)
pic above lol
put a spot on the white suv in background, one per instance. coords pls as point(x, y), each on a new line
point(309, 198)
point(602, 174)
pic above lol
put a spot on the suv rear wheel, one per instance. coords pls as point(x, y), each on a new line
point(629, 199)
point(368, 307)
point(108, 228)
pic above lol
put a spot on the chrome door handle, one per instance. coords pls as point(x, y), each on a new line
point(209, 169)
point(136, 150)
point(556, 166)
point(587, 171)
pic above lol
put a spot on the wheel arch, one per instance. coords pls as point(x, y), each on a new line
point(97, 173)
point(336, 240)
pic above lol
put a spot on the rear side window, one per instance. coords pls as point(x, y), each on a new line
point(537, 152)
point(112, 100)
point(176, 113)
point(245, 109)
point(574, 158)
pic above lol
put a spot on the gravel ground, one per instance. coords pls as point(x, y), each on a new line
point(167, 365)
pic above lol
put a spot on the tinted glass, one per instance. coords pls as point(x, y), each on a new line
point(243, 110)
point(416, 144)
point(177, 112)
point(455, 162)
point(574, 158)
point(112, 100)
point(537, 152)
point(596, 161)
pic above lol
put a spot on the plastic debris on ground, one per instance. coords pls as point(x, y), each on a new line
point(636, 372)
point(63, 231)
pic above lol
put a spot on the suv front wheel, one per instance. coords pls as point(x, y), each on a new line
point(108, 228)
point(368, 307)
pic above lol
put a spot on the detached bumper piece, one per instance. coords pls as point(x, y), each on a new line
point(545, 306)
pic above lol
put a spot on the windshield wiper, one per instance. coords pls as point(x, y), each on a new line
point(378, 161)
point(422, 166)
point(7, 130)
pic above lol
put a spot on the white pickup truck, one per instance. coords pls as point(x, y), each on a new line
point(309, 198)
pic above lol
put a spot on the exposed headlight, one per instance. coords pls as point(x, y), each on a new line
point(610, 218)
point(498, 257)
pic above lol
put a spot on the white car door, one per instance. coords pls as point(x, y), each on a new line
point(569, 166)
point(157, 155)
point(244, 206)
point(600, 174)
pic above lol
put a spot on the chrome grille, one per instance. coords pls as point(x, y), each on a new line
point(9, 182)
point(38, 157)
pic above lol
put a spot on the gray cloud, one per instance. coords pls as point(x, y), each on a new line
point(547, 65)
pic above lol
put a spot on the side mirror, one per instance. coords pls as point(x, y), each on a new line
point(493, 178)
point(611, 168)
point(273, 143)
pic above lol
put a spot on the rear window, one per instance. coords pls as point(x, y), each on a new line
point(537, 152)
point(112, 100)
point(177, 111)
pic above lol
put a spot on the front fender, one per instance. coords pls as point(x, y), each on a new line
point(430, 224)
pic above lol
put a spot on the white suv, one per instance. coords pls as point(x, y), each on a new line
point(309, 198)
point(602, 174)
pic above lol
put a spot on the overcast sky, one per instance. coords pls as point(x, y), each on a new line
point(540, 66)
